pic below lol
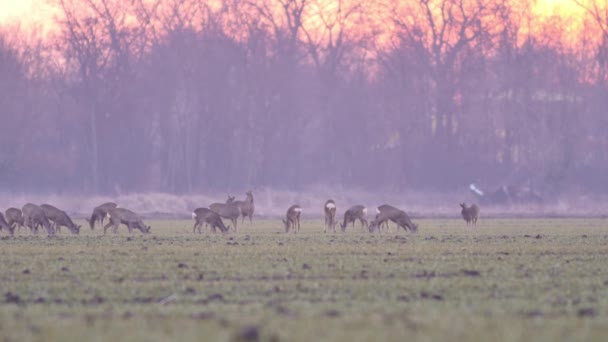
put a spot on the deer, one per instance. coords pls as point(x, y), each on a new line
point(199, 215)
point(246, 207)
point(470, 214)
point(100, 212)
point(214, 221)
point(126, 217)
point(4, 225)
point(60, 218)
point(228, 210)
point(34, 216)
point(356, 212)
point(14, 217)
point(330, 215)
point(379, 210)
point(398, 216)
point(292, 218)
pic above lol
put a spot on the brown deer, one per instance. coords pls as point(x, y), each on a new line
point(14, 217)
point(126, 217)
point(379, 210)
point(60, 219)
point(397, 216)
point(199, 215)
point(33, 217)
point(356, 212)
point(215, 221)
point(228, 210)
point(246, 207)
point(470, 214)
point(100, 212)
point(292, 218)
point(4, 225)
point(330, 215)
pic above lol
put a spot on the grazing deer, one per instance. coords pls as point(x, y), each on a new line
point(246, 207)
point(397, 216)
point(470, 214)
point(330, 215)
point(292, 218)
point(356, 212)
point(228, 210)
point(199, 215)
point(34, 216)
point(100, 213)
point(126, 217)
point(379, 210)
point(14, 218)
point(4, 225)
point(215, 221)
point(60, 219)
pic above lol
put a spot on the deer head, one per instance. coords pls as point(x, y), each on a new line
point(286, 224)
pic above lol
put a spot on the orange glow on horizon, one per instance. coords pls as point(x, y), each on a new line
point(548, 15)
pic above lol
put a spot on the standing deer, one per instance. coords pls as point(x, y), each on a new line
point(292, 218)
point(4, 225)
point(34, 216)
point(397, 216)
point(126, 217)
point(100, 212)
point(60, 219)
point(356, 212)
point(246, 207)
point(14, 217)
point(228, 210)
point(330, 215)
point(470, 214)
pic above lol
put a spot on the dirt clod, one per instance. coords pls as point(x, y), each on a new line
point(249, 333)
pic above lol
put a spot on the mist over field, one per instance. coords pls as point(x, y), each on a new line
point(272, 204)
point(165, 106)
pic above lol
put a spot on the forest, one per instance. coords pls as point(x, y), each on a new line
point(188, 96)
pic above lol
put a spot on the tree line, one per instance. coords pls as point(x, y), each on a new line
point(186, 96)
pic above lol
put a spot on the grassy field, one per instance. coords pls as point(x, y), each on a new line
point(507, 280)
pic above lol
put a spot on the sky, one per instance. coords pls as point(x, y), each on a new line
point(33, 10)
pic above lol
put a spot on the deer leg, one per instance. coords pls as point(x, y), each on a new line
point(106, 227)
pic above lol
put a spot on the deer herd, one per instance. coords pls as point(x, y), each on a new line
point(52, 219)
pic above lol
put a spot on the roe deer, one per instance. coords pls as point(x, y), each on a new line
point(34, 216)
point(356, 212)
point(330, 215)
point(228, 210)
point(397, 216)
point(379, 210)
point(100, 212)
point(199, 215)
point(4, 225)
point(14, 217)
point(292, 218)
point(60, 219)
point(246, 207)
point(126, 217)
point(470, 214)
point(214, 221)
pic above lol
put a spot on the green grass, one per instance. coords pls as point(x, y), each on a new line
point(507, 280)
